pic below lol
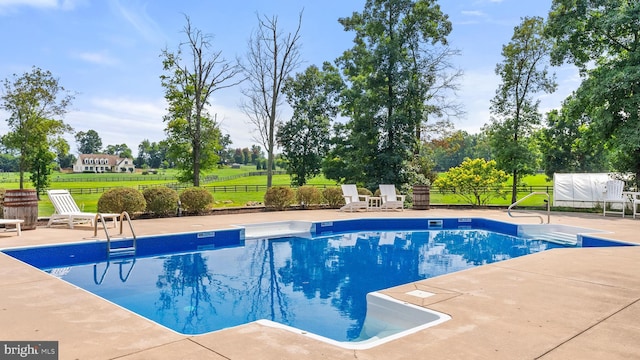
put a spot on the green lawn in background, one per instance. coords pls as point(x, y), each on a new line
point(93, 182)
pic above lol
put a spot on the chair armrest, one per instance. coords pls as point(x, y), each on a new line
point(364, 197)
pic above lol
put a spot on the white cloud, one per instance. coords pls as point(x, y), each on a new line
point(136, 15)
point(121, 120)
point(476, 13)
point(31, 3)
point(100, 58)
point(42, 4)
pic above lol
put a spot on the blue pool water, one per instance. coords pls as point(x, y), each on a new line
point(195, 283)
point(317, 285)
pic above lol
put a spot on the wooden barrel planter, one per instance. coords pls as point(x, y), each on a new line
point(22, 204)
point(421, 197)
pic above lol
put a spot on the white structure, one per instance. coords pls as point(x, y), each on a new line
point(579, 190)
point(100, 163)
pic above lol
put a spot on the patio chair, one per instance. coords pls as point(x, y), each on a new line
point(635, 201)
point(613, 195)
point(68, 212)
point(391, 200)
point(353, 200)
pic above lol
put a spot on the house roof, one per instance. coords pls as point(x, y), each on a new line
point(112, 160)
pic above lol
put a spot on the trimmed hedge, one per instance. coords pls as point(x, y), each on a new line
point(196, 200)
point(122, 199)
point(279, 197)
point(161, 200)
point(333, 197)
point(308, 195)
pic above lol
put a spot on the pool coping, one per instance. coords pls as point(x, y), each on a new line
point(596, 303)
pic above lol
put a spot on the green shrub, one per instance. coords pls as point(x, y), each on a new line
point(161, 200)
point(333, 197)
point(364, 191)
point(122, 199)
point(279, 197)
point(308, 195)
point(196, 200)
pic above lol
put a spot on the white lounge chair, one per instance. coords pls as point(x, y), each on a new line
point(613, 195)
point(391, 200)
point(353, 200)
point(68, 212)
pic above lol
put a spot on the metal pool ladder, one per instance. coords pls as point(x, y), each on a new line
point(538, 216)
point(118, 251)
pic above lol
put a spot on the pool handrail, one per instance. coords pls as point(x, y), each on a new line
point(111, 251)
point(548, 201)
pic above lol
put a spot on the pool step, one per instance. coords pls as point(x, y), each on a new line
point(557, 237)
point(123, 251)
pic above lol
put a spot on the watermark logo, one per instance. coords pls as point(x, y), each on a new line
point(32, 350)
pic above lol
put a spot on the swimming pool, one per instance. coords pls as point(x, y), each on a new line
point(324, 271)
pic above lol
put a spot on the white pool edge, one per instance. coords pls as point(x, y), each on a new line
point(409, 310)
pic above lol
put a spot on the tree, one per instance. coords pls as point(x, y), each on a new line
point(272, 57)
point(223, 153)
point(256, 154)
point(237, 156)
point(64, 158)
point(193, 135)
point(151, 154)
point(35, 102)
point(477, 181)
point(390, 72)
point(122, 150)
point(452, 148)
point(245, 156)
point(9, 163)
point(568, 143)
point(88, 142)
point(41, 160)
point(602, 38)
point(144, 154)
point(524, 73)
point(181, 144)
point(313, 95)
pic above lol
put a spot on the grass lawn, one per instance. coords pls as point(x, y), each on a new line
point(227, 191)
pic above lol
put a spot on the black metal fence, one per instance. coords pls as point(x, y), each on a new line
point(263, 188)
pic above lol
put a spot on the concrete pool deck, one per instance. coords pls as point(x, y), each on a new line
point(581, 303)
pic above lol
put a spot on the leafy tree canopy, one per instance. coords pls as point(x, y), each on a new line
point(602, 38)
point(389, 72)
point(475, 180)
point(36, 103)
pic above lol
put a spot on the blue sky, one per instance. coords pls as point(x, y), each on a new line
point(108, 52)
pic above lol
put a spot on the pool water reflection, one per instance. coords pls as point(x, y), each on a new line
point(317, 285)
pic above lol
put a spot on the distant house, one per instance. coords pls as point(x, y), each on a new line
point(100, 163)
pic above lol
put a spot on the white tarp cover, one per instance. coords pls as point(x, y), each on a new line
point(579, 190)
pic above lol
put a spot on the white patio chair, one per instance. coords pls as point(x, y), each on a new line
point(635, 201)
point(613, 195)
point(68, 212)
point(391, 200)
point(353, 200)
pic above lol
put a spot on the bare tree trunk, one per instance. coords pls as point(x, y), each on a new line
point(188, 88)
point(271, 58)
